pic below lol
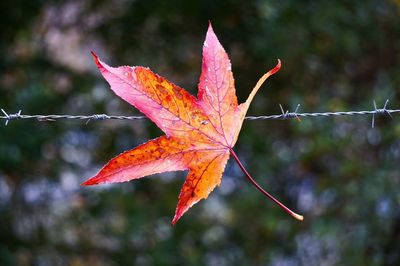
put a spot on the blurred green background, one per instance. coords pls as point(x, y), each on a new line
point(338, 172)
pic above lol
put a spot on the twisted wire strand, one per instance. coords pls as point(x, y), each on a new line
point(324, 114)
point(283, 116)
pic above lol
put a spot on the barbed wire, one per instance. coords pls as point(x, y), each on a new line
point(282, 116)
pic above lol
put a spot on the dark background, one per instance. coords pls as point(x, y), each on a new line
point(338, 172)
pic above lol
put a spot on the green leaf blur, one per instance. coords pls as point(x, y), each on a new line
point(341, 174)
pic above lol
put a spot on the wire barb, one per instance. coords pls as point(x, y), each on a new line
point(9, 117)
point(97, 117)
point(288, 115)
point(382, 111)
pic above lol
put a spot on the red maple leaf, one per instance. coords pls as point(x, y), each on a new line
point(199, 132)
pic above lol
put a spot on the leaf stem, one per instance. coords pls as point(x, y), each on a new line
point(286, 209)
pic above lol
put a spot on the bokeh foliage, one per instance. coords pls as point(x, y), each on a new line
point(339, 172)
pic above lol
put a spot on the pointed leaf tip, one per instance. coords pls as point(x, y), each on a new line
point(210, 32)
point(174, 220)
point(209, 25)
point(90, 182)
point(94, 55)
point(96, 58)
point(177, 216)
point(276, 68)
point(179, 212)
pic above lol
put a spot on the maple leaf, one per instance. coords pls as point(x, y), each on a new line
point(199, 132)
